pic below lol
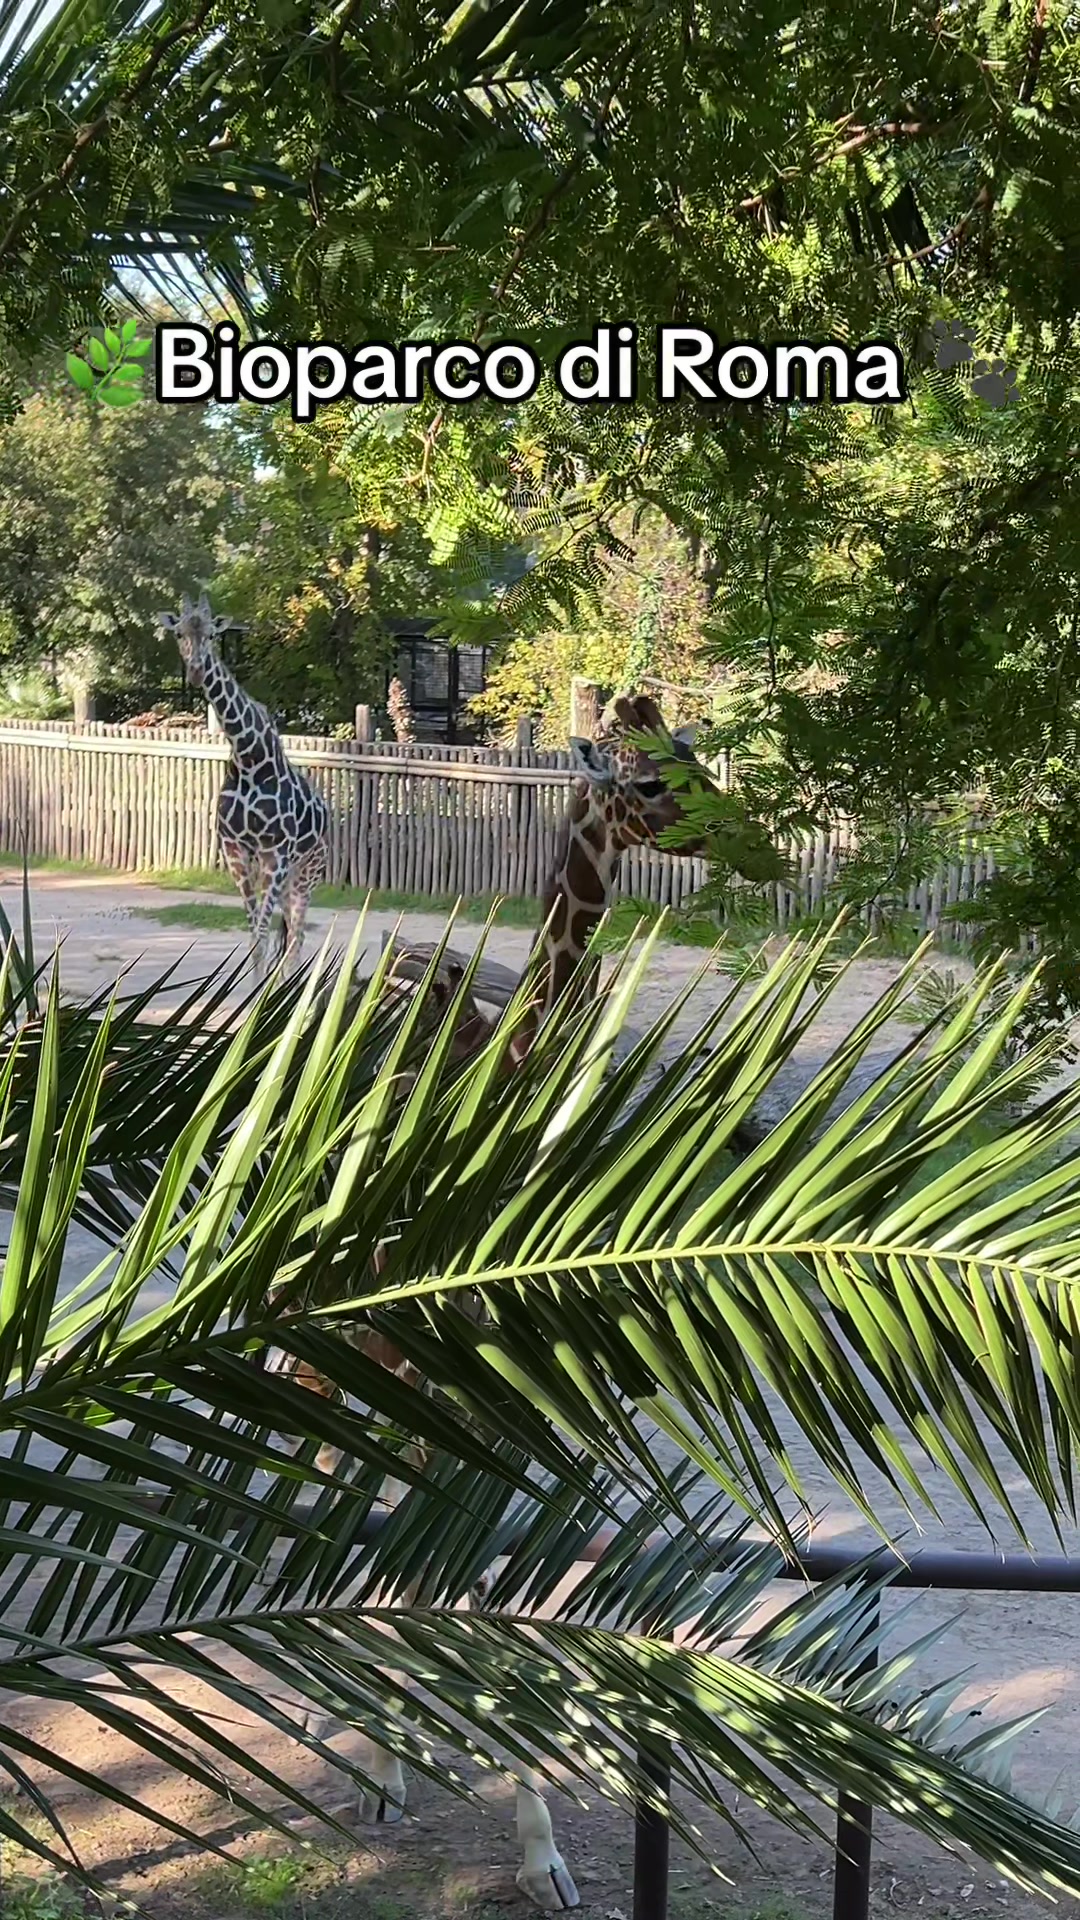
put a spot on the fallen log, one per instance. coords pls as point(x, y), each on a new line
point(491, 982)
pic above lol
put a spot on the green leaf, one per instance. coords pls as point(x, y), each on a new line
point(114, 396)
point(80, 372)
point(95, 348)
point(137, 349)
point(113, 342)
point(129, 329)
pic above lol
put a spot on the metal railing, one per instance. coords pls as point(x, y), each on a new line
point(924, 1567)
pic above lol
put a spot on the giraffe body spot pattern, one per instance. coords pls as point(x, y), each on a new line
point(273, 825)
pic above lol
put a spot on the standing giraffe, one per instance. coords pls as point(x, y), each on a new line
point(620, 800)
point(272, 825)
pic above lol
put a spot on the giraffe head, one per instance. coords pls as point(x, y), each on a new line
point(623, 795)
point(196, 633)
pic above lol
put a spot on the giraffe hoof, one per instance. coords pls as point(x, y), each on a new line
point(549, 1885)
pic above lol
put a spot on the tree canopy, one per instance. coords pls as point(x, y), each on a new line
point(897, 584)
point(108, 516)
point(103, 520)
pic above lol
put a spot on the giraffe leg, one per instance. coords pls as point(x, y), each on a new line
point(275, 875)
point(383, 1804)
point(302, 1375)
point(543, 1874)
point(241, 867)
point(294, 908)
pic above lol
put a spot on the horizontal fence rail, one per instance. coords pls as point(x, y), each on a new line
point(420, 818)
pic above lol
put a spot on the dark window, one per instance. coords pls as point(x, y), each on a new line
point(471, 664)
point(439, 681)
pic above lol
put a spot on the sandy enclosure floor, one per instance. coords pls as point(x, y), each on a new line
point(1023, 1648)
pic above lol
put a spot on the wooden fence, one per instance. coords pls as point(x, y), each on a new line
point(420, 819)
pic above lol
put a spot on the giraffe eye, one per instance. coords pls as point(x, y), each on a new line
point(650, 789)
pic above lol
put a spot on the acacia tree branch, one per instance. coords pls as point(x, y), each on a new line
point(527, 239)
point(1034, 53)
point(982, 203)
point(348, 16)
point(861, 136)
point(767, 531)
point(888, 130)
point(89, 134)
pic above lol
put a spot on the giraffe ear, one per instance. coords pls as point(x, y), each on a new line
point(170, 621)
point(686, 735)
point(648, 717)
point(589, 762)
point(622, 712)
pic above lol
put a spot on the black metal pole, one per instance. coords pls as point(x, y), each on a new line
point(854, 1842)
point(652, 1837)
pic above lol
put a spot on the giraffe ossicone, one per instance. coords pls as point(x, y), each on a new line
point(273, 825)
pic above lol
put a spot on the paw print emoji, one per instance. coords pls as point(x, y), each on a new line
point(994, 382)
point(955, 345)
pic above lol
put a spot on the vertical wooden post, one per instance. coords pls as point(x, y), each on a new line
point(365, 730)
point(584, 707)
point(524, 733)
point(84, 705)
point(212, 725)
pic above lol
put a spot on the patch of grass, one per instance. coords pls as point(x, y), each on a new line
point(206, 914)
point(898, 938)
point(683, 930)
point(511, 913)
point(743, 935)
point(264, 1884)
point(297, 1883)
point(42, 863)
point(189, 879)
point(391, 1906)
point(213, 913)
point(29, 1889)
point(26, 1897)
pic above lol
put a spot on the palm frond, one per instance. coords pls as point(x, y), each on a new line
point(636, 1274)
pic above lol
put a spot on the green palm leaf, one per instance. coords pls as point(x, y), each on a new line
point(636, 1274)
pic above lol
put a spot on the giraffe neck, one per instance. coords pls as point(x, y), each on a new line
point(578, 895)
point(246, 725)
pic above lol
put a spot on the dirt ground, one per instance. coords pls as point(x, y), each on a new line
point(1023, 1649)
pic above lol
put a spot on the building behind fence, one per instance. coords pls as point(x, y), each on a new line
point(422, 819)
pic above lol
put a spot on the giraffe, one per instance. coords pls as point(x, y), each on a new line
point(620, 800)
point(272, 825)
